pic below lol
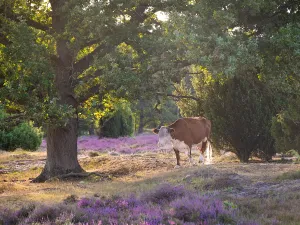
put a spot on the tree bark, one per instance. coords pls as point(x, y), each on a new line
point(61, 152)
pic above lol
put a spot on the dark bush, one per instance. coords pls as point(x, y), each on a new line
point(286, 128)
point(118, 124)
point(23, 136)
point(241, 110)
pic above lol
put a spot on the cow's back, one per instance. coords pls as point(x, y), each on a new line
point(191, 130)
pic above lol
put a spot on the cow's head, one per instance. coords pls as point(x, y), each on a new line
point(164, 137)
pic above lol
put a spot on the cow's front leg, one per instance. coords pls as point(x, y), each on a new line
point(177, 158)
point(190, 156)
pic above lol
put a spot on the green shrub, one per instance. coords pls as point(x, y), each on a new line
point(286, 128)
point(23, 136)
point(241, 110)
point(118, 124)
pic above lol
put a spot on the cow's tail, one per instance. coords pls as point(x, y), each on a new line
point(204, 145)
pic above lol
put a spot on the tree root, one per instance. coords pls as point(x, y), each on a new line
point(79, 175)
point(41, 179)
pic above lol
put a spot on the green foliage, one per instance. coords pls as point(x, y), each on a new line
point(118, 123)
point(236, 43)
point(241, 110)
point(286, 128)
point(149, 113)
point(23, 136)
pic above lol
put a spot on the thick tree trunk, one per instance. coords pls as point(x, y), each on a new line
point(61, 152)
point(62, 141)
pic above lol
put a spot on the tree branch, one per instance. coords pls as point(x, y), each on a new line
point(4, 40)
point(179, 96)
point(93, 90)
point(88, 77)
point(139, 13)
point(86, 61)
point(13, 117)
point(9, 14)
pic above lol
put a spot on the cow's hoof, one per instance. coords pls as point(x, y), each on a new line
point(176, 167)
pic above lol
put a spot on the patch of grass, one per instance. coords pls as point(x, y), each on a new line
point(94, 163)
point(291, 175)
point(22, 175)
point(7, 187)
point(280, 209)
point(220, 183)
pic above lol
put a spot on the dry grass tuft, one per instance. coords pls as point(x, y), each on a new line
point(291, 175)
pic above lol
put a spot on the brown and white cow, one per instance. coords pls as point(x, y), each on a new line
point(184, 133)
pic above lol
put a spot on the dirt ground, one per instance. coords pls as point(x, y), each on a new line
point(246, 184)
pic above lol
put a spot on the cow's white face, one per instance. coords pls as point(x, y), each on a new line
point(164, 139)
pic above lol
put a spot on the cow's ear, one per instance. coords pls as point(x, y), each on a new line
point(171, 130)
point(155, 131)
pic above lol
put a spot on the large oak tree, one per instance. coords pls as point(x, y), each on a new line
point(57, 54)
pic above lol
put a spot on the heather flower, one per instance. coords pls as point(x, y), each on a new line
point(108, 212)
point(44, 213)
point(166, 204)
point(25, 211)
point(84, 202)
point(196, 208)
point(125, 145)
point(171, 222)
point(122, 203)
point(98, 203)
point(7, 217)
point(133, 201)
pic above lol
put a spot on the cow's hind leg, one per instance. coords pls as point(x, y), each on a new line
point(177, 158)
point(209, 153)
